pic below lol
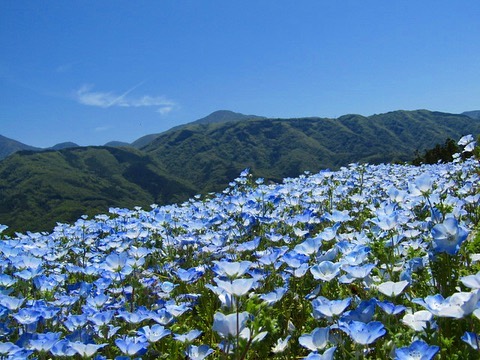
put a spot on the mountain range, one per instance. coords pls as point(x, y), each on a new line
point(39, 187)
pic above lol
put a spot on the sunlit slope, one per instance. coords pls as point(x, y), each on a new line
point(39, 189)
point(211, 155)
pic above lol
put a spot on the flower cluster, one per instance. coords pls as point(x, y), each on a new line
point(371, 261)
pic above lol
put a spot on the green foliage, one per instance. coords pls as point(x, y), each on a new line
point(443, 153)
point(37, 190)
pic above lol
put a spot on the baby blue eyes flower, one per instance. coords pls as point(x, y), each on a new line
point(448, 236)
point(317, 340)
point(456, 306)
point(274, 296)
point(190, 275)
point(231, 269)
point(471, 281)
point(418, 350)
point(118, 263)
point(390, 308)
point(422, 185)
point(154, 333)
point(281, 345)
point(227, 325)
point(7, 280)
point(359, 271)
point(468, 142)
point(188, 337)
point(11, 303)
point(75, 321)
point(102, 318)
point(9, 350)
point(27, 316)
point(236, 287)
point(198, 352)
point(326, 270)
point(419, 320)
point(327, 354)
point(362, 333)
point(86, 350)
point(132, 346)
point(63, 348)
point(323, 307)
point(472, 339)
point(390, 288)
point(44, 342)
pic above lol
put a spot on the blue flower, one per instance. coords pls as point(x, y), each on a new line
point(63, 348)
point(190, 275)
point(362, 333)
point(472, 339)
point(456, 306)
point(102, 318)
point(188, 337)
point(325, 270)
point(418, 350)
point(154, 333)
point(274, 296)
point(27, 316)
point(237, 287)
point(327, 354)
point(448, 236)
point(11, 303)
point(281, 345)
point(390, 288)
point(231, 269)
point(323, 307)
point(198, 352)
point(44, 342)
point(86, 350)
point(132, 346)
point(471, 281)
point(390, 308)
point(74, 322)
point(317, 340)
point(118, 263)
point(227, 325)
point(358, 271)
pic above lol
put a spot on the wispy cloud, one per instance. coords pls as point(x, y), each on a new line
point(86, 96)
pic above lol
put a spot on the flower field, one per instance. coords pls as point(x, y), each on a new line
point(368, 262)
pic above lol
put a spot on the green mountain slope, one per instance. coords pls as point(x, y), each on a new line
point(220, 116)
point(475, 114)
point(10, 146)
point(38, 189)
point(213, 154)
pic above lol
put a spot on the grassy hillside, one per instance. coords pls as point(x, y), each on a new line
point(39, 189)
point(212, 154)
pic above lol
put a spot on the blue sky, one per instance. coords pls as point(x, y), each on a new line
point(96, 71)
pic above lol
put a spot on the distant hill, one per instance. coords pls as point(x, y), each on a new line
point(10, 146)
point(38, 189)
point(211, 155)
point(64, 145)
point(472, 114)
point(219, 116)
point(222, 116)
point(118, 144)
